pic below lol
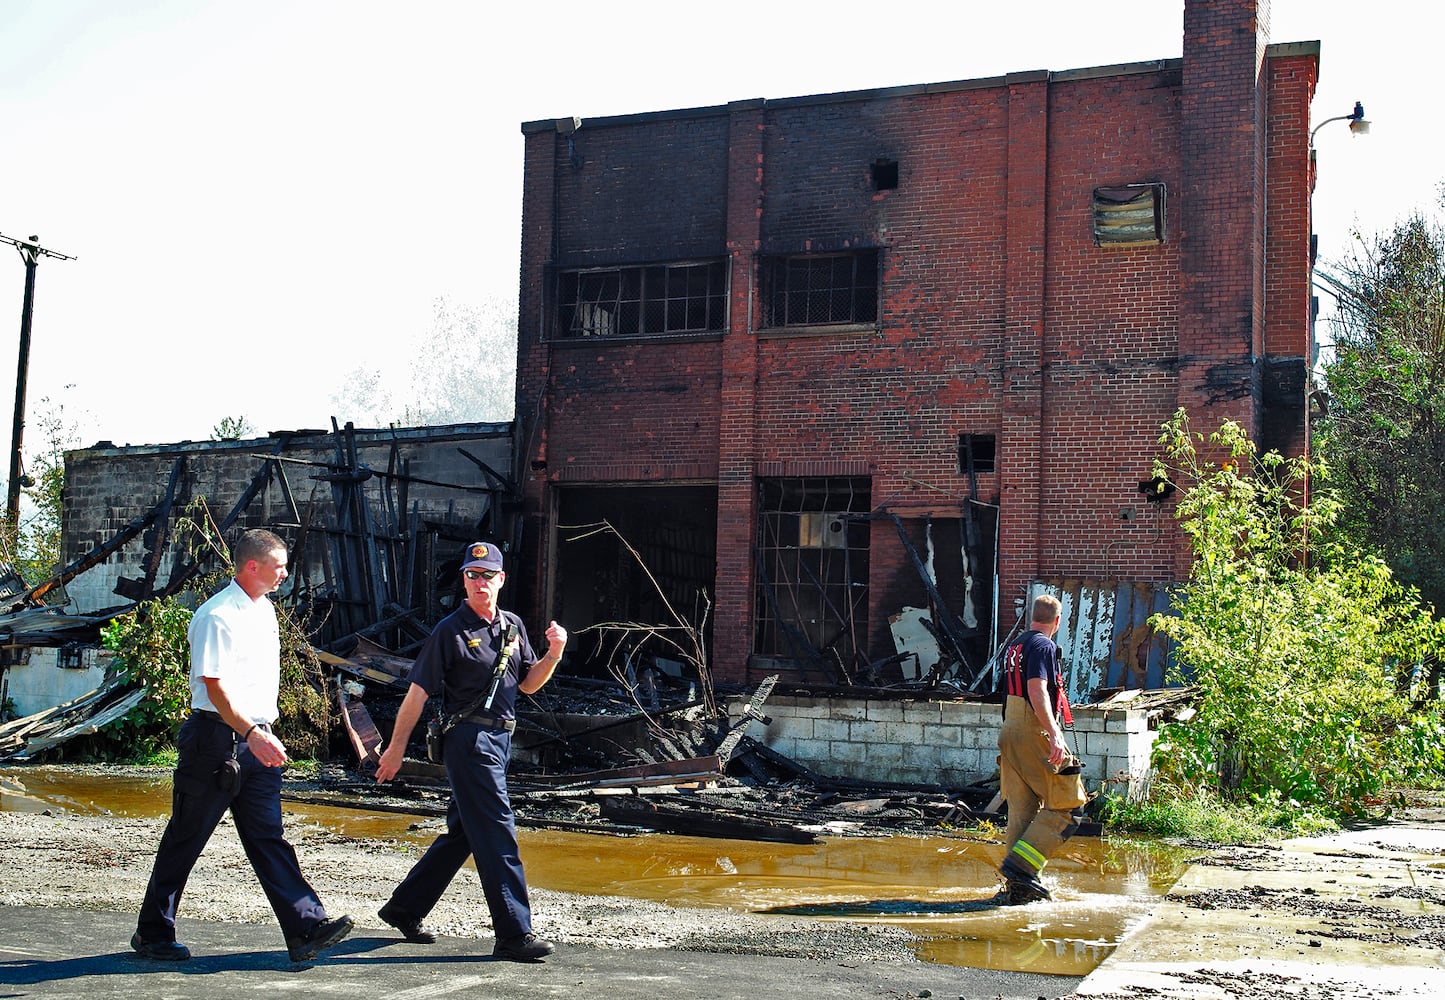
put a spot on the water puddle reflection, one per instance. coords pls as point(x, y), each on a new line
point(936, 887)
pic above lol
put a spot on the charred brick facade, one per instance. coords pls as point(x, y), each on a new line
point(998, 314)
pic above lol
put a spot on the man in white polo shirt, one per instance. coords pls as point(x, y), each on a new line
point(229, 758)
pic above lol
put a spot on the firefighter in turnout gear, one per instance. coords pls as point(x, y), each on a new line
point(1032, 752)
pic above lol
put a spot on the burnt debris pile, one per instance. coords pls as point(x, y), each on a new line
point(606, 757)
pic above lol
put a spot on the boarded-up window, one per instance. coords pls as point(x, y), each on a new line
point(1129, 216)
point(976, 453)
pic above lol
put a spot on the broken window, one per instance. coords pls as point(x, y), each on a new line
point(976, 454)
point(657, 564)
point(686, 297)
point(885, 175)
point(820, 289)
point(812, 591)
point(1130, 215)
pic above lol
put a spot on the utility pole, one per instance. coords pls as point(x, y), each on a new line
point(30, 252)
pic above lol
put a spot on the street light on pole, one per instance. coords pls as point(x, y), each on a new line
point(1356, 118)
point(1358, 126)
point(30, 252)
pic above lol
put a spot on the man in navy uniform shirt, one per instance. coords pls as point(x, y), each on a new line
point(477, 659)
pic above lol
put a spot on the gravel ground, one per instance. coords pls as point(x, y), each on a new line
point(64, 859)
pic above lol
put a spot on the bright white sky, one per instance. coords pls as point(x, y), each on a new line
point(262, 196)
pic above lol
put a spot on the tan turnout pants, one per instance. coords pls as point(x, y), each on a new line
point(1040, 802)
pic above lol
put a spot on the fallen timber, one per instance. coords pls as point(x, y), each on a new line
point(711, 822)
point(24, 738)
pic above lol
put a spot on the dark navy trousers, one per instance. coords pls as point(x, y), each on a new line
point(479, 823)
point(197, 804)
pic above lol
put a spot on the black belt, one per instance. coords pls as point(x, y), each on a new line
point(211, 716)
point(488, 722)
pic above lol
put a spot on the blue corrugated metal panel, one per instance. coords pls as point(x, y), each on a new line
point(1124, 604)
point(1162, 651)
point(1105, 634)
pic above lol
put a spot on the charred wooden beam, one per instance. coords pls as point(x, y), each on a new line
point(365, 668)
point(362, 733)
point(501, 481)
point(752, 712)
point(950, 630)
point(158, 536)
point(94, 557)
point(697, 823)
point(698, 767)
point(184, 574)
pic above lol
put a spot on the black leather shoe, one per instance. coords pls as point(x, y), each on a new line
point(410, 926)
point(321, 937)
point(527, 948)
point(161, 951)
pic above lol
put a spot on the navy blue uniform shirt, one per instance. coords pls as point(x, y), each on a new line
point(458, 659)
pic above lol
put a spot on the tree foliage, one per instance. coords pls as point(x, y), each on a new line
point(232, 429)
point(150, 649)
point(33, 545)
point(1305, 667)
point(1384, 434)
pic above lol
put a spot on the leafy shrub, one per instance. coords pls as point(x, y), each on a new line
point(306, 712)
point(1208, 816)
point(150, 649)
point(1293, 640)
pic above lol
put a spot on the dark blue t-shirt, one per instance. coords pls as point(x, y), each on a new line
point(1034, 655)
point(1040, 656)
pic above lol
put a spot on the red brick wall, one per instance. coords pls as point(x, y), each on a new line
point(1291, 78)
point(741, 376)
point(1111, 322)
point(999, 314)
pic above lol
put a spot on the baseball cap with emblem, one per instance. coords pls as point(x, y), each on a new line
point(482, 555)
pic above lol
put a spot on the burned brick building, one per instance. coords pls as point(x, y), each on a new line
point(823, 358)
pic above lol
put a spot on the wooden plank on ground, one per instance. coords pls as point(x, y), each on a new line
point(700, 823)
point(361, 670)
point(83, 726)
point(360, 730)
point(673, 769)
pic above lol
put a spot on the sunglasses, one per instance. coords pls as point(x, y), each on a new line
point(480, 574)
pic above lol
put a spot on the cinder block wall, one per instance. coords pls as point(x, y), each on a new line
point(949, 743)
point(108, 486)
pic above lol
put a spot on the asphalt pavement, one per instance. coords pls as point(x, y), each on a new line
point(57, 953)
point(1354, 915)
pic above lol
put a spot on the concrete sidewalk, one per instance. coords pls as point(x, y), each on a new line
point(1356, 914)
point(57, 953)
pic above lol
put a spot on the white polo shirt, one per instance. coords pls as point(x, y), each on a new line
point(237, 641)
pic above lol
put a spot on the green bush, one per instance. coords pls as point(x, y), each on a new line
point(151, 650)
point(1293, 640)
point(306, 712)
